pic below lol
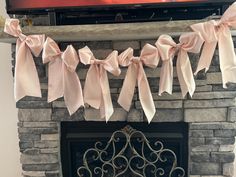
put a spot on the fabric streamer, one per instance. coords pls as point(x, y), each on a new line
point(189, 42)
point(63, 79)
point(214, 32)
point(26, 80)
point(96, 88)
point(135, 73)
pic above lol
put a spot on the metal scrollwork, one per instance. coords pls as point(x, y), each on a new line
point(129, 153)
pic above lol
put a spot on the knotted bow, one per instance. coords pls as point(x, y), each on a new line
point(214, 32)
point(149, 57)
point(96, 88)
point(26, 81)
point(189, 42)
point(63, 80)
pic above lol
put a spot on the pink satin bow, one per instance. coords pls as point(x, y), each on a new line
point(149, 57)
point(63, 79)
point(214, 32)
point(189, 42)
point(26, 81)
point(96, 88)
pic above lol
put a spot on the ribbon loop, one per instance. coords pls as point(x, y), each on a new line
point(26, 81)
point(214, 32)
point(96, 89)
point(135, 73)
point(62, 79)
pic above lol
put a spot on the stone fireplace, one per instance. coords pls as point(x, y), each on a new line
point(210, 116)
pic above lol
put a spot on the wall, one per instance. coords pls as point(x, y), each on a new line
point(9, 153)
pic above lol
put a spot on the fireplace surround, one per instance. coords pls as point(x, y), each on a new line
point(210, 116)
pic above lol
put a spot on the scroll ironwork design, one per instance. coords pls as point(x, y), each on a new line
point(129, 153)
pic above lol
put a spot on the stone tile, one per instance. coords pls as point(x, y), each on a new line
point(52, 174)
point(225, 133)
point(168, 115)
point(150, 41)
point(31, 115)
point(63, 115)
point(29, 137)
point(34, 173)
point(166, 96)
point(49, 137)
point(205, 115)
point(220, 141)
point(200, 156)
point(212, 125)
point(229, 169)
point(231, 114)
point(39, 124)
point(222, 157)
point(163, 104)
point(33, 104)
point(46, 144)
point(195, 142)
point(37, 130)
point(201, 133)
point(38, 159)
point(135, 115)
point(214, 78)
point(213, 95)
point(40, 167)
point(102, 54)
point(227, 148)
point(209, 103)
point(204, 88)
point(205, 168)
point(50, 151)
point(205, 148)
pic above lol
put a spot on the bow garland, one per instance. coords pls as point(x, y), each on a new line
point(63, 80)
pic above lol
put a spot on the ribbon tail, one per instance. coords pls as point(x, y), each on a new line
point(107, 107)
point(227, 57)
point(185, 74)
point(166, 77)
point(26, 76)
point(55, 79)
point(206, 56)
point(92, 88)
point(127, 91)
point(72, 91)
point(145, 94)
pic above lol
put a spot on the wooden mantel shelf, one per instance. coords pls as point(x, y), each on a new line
point(122, 31)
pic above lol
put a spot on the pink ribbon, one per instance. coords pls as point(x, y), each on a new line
point(149, 57)
point(189, 42)
point(26, 81)
point(214, 32)
point(63, 79)
point(96, 89)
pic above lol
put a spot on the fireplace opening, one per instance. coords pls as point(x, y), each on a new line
point(124, 149)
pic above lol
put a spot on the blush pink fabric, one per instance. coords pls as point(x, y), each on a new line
point(26, 80)
point(96, 88)
point(63, 79)
point(189, 42)
point(214, 32)
point(135, 73)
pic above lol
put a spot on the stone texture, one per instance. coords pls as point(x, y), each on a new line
point(40, 167)
point(209, 103)
point(205, 115)
point(220, 141)
point(123, 45)
point(33, 104)
point(201, 133)
point(225, 133)
point(213, 95)
point(168, 115)
point(226, 148)
point(212, 125)
point(29, 115)
point(200, 156)
point(135, 115)
point(205, 168)
point(222, 157)
point(205, 148)
point(49, 137)
point(194, 142)
point(232, 114)
point(39, 159)
point(229, 169)
point(46, 144)
point(34, 173)
point(214, 78)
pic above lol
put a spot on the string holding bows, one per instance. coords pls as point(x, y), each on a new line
point(26, 80)
point(149, 57)
point(214, 32)
point(63, 79)
point(96, 88)
point(189, 42)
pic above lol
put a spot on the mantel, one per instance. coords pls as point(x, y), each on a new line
point(103, 32)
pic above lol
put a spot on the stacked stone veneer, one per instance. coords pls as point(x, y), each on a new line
point(211, 115)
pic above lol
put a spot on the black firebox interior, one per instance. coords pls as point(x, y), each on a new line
point(77, 137)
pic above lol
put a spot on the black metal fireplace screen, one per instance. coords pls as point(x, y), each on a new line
point(111, 151)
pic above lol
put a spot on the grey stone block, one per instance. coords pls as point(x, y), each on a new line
point(225, 133)
point(194, 142)
point(212, 126)
point(205, 115)
point(32, 151)
point(46, 144)
point(214, 95)
point(31, 115)
point(231, 114)
point(52, 174)
point(33, 104)
point(38, 159)
point(204, 88)
point(214, 78)
point(220, 141)
point(227, 148)
point(50, 137)
point(123, 45)
point(222, 157)
point(163, 104)
point(101, 54)
point(29, 137)
point(209, 103)
point(135, 115)
point(63, 115)
point(201, 133)
point(205, 148)
point(49, 151)
point(37, 130)
point(33, 173)
point(39, 124)
point(200, 156)
point(25, 145)
point(229, 169)
point(166, 96)
point(168, 115)
point(40, 167)
point(205, 168)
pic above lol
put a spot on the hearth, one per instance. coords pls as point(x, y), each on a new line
point(124, 149)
